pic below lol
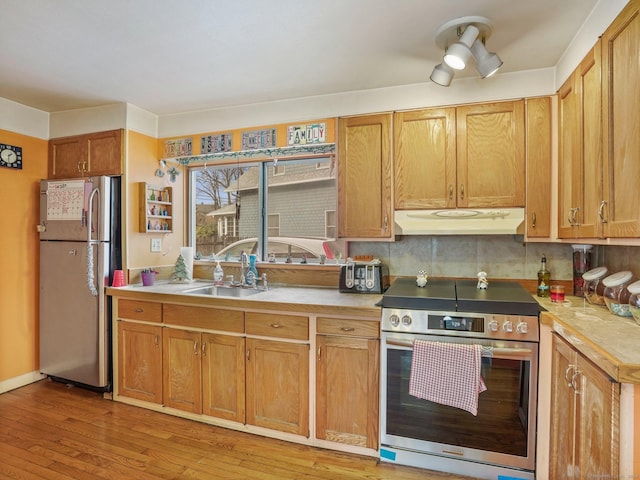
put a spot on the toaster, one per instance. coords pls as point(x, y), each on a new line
point(364, 277)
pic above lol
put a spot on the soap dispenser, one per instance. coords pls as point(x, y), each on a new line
point(252, 273)
point(218, 274)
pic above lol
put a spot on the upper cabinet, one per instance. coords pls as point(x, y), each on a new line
point(364, 177)
point(538, 140)
point(87, 155)
point(467, 156)
point(580, 150)
point(621, 129)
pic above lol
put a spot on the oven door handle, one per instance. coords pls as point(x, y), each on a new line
point(491, 352)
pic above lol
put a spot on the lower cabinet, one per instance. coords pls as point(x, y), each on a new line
point(140, 361)
point(347, 381)
point(585, 405)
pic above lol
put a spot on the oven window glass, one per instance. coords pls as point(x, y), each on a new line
point(502, 420)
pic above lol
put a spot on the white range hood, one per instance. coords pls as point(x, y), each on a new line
point(498, 221)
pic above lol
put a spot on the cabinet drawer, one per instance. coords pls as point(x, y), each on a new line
point(203, 317)
point(352, 328)
point(139, 310)
point(275, 325)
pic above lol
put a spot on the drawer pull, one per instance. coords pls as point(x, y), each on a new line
point(347, 329)
point(276, 325)
point(139, 310)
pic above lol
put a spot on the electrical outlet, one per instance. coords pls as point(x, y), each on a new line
point(156, 244)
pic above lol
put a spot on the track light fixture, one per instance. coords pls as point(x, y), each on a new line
point(461, 39)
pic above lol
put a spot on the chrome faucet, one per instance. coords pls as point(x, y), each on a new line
point(264, 281)
point(244, 267)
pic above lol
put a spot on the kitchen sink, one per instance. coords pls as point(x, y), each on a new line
point(223, 291)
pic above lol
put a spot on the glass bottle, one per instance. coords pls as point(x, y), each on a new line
point(544, 276)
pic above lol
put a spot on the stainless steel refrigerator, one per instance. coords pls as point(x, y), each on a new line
point(80, 247)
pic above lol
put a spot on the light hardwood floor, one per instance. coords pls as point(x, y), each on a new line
point(49, 430)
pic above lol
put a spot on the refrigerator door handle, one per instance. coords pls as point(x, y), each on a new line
point(91, 277)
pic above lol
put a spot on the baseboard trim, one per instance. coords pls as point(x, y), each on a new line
point(21, 381)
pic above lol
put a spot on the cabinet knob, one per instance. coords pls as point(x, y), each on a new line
point(462, 191)
point(533, 220)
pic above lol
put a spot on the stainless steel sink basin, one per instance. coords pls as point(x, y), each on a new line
point(223, 291)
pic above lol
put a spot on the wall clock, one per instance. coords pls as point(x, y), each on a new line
point(10, 156)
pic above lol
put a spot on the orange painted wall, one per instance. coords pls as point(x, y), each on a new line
point(19, 257)
point(142, 162)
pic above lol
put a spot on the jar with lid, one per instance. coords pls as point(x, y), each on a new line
point(593, 285)
point(616, 295)
point(634, 300)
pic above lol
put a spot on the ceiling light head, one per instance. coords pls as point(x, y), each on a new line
point(442, 74)
point(458, 54)
point(487, 63)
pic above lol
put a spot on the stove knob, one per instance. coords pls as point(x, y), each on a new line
point(493, 326)
point(522, 327)
point(394, 320)
point(507, 326)
point(406, 320)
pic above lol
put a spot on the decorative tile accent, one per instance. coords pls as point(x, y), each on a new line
point(305, 134)
point(178, 147)
point(259, 139)
point(216, 143)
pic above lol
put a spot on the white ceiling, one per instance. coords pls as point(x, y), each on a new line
point(170, 56)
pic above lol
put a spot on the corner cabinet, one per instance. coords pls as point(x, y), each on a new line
point(580, 150)
point(469, 156)
point(585, 408)
point(91, 154)
point(347, 381)
point(621, 132)
point(156, 209)
point(365, 207)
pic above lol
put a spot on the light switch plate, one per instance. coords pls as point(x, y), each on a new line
point(156, 244)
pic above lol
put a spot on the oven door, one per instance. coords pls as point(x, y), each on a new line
point(503, 432)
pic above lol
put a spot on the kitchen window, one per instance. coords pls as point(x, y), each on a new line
point(287, 209)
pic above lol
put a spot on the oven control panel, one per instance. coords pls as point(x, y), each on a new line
point(479, 325)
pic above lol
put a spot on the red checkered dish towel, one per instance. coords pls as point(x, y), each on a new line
point(447, 373)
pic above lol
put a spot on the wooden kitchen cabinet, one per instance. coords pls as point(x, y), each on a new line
point(538, 153)
point(584, 417)
point(87, 155)
point(204, 372)
point(347, 381)
point(621, 130)
point(466, 156)
point(140, 361)
point(277, 383)
point(365, 207)
point(580, 150)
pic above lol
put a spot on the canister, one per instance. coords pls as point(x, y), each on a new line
point(593, 286)
point(634, 300)
point(616, 295)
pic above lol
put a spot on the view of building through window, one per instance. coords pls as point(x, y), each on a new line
point(293, 202)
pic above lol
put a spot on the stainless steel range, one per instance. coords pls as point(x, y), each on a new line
point(498, 442)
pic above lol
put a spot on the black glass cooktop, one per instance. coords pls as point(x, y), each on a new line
point(501, 297)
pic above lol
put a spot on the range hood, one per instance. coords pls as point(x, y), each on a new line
point(502, 221)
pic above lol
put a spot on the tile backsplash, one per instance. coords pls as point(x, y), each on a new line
point(501, 256)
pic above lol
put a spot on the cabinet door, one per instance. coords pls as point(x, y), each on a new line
point(538, 220)
point(621, 97)
point(347, 390)
point(364, 177)
point(597, 428)
point(563, 411)
point(425, 158)
point(491, 155)
point(66, 157)
point(278, 385)
point(182, 370)
point(223, 376)
point(140, 361)
point(104, 153)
